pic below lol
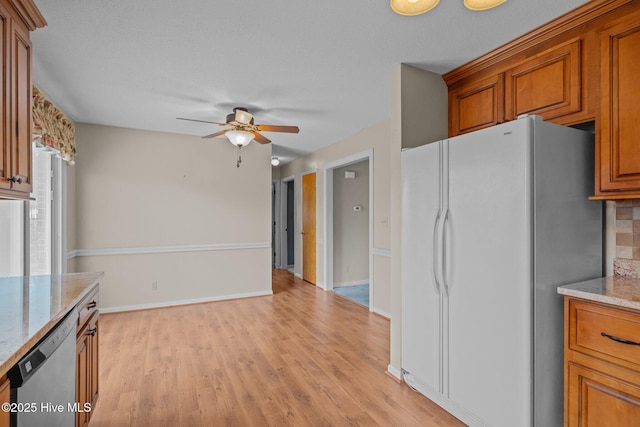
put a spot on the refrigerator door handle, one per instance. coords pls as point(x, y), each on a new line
point(436, 247)
point(443, 260)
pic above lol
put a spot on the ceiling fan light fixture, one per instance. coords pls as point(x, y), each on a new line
point(275, 161)
point(239, 138)
point(243, 116)
point(413, 7)
point(482, 4)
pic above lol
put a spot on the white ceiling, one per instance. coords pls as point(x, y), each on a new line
point(321, 65)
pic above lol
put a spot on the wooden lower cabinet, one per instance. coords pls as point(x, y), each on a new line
point(87, 369)
point(602, 375)
point(5, 395)
point(600, 400)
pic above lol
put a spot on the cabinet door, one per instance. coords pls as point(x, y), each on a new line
point(618, 152)
point(547, 84)
point(476, 105)
point(5, 89)
point(93, 361)
point(82, 376)
point(21, 109)
point(599, 400)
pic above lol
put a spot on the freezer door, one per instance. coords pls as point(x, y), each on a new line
point(421, 336)
point(488, 245)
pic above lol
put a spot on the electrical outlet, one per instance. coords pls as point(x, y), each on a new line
point(154, 285)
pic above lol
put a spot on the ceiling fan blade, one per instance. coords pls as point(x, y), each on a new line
point(213, 135)
point(260, 138)
point(201, 121)
point(275, 128)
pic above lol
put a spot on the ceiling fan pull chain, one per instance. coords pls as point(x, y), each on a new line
point(239, 156)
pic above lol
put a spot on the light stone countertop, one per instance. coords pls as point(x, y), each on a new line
point(619, 291)
point(31, 306)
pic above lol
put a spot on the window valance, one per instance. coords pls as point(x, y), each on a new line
point(51, 127)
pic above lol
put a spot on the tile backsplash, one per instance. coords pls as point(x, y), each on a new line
point(627, 261)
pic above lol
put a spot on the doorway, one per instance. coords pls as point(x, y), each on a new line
point(364, 208)
point(289, 236)
point(309, 227)
point(285, 232)
point(351, 231)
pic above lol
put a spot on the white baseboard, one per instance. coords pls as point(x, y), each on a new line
point(298, 275)
point(182, 302)
point(353, 283)
point(395, 372)
point(381, 313)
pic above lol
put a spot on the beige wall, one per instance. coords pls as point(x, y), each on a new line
point(174, 210)
point(375, 138)
point(351, 228)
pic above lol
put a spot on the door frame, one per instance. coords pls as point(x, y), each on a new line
point(301, 224)
point(276, 225)
point(284, 249)
point(328, 217)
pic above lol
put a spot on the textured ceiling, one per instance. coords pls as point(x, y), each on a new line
point(321, 65)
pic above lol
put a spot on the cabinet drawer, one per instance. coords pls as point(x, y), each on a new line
point(87, 307)
point(607, 333)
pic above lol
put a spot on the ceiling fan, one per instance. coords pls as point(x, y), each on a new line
point(241, 129)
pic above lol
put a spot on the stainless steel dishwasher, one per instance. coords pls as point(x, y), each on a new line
point(43, 385)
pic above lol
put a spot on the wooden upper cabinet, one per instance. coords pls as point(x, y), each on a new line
point(17, 19)
point(618, 153)
point(476, 105)
point(5, 90)
point(548, 84)
point(21, 109)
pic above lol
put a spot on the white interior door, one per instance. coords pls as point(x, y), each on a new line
point(421, 301)
point(489, 275)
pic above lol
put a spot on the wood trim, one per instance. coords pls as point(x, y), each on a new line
point(569, 21)
point(169, 249)
point(29, 13)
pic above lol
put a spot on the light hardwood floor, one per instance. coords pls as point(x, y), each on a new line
point(302, 357)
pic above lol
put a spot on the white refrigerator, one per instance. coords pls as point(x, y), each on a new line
point(492, 223)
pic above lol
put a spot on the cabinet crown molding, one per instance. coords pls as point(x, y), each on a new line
point(29, 13)
point(570, 20)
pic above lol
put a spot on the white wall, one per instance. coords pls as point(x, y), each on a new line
point(376, 138)
point(174, 210)
point(351, 228)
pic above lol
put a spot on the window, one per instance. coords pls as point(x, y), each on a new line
point(40, 214)
point(12, 238)
point(32, 229)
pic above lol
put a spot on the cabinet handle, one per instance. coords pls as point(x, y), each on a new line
point(92, 304)
point(620, 340)
point(92, 331)
point(17, 179)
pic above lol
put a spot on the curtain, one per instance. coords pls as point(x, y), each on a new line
point(51, 127)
